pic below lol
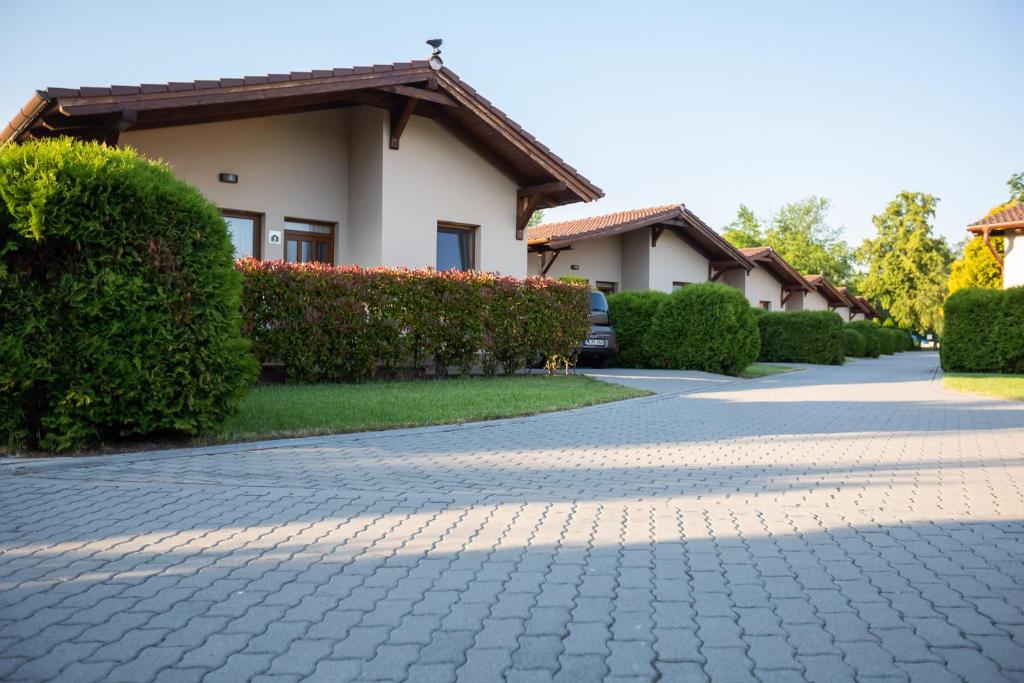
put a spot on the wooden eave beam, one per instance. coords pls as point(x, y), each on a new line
point(421, 94)
point(399, 119)
point(543, 188)
point(83, 106)
point(546, 263)
point(525, 206)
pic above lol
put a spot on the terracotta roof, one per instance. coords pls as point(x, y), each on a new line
point(859, 302)
point(581, 227)
point(682, 222)
point(777, 266)
point(1010, 217)
point(446, 97)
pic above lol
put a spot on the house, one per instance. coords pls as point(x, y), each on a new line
point(828, 297)
point(772, 284)
point(859, 309)
point(661, 247)
point(1009, 224)
point(388, 165)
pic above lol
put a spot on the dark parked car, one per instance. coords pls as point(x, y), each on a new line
point(599, 347)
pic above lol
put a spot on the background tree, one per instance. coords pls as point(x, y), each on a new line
point(536, 219)
point(745, 231)
point(907, 266)
point(799, 231)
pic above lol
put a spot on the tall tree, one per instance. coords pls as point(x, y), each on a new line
point(745, 231)
point(536, 218)
point(907, 266)
point(799, 231)
point(801, 234)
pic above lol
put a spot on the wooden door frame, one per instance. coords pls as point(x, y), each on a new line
point(329, 237)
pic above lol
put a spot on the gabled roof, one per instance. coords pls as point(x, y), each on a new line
point(98, 113)
point(835, 296)
point(778, 267)
point(859, 303)
point(675, 217)
point(1009, 218)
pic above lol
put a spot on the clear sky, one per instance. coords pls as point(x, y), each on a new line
point(706, 103)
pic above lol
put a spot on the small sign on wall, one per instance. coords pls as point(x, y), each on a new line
point(276, 236)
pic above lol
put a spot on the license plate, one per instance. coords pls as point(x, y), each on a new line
point(595, 342)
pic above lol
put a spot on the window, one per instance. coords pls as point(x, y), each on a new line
point(606, 288)
point(456, 246)
point(766, 305)
point(246, 228)
point(679, 285)
point(307, 240)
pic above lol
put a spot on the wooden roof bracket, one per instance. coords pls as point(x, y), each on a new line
point(717, 268)
point(546, 263)
point(529, 199)
point(656, 233)
point(995, 254)
point(399, 120)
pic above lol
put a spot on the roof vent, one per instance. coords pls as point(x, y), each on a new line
point(435, 57)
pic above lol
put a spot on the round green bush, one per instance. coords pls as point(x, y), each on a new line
point(853, 342)
point(872, 337)
point(707, 326)
point(119, 303)
point(631, 314)
point(802, 337)
point(887, 345)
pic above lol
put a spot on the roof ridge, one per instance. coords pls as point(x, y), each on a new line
point(663, 208)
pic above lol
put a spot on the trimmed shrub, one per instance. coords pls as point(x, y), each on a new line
point(119, 304)
point(853, 342)
point(887, 345)
point(705, 326)
point(802, 337)
point(872, 337)
point(334, 324)
point(983, 331)
point(631, 314)
point(898, 340)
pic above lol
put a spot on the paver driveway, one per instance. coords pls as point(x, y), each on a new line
point(833, 524)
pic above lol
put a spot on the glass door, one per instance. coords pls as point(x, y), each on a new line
point(308, 241)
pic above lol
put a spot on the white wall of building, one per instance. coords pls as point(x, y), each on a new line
point(598, 259)
point(636, 260)
point(1013, 260)
point(336, 166)
point(435, 177)
point(813, 301)
point(762, 286)
point(796, 301)
point(673, 260)
point(294, 165)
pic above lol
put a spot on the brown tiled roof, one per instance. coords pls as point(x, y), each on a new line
point(777, 266)
point(475, 110)
point(582, 227)
point(681, 221)
point(1010, 217)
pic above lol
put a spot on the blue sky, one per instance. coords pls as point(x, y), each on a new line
point(709, 103)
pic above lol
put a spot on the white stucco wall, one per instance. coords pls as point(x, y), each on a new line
point(435, 177)
point(673, 260)
point(367, 142)
point(1013, 261)
point(796, 302)
point(598, 259)
point(843, 313)
point(636, 260)
point(761, 286)
point(294, 165)
point(814, 301)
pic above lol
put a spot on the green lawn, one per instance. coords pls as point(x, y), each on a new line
point(764, 370)
point(287, 410)
point(998, 386)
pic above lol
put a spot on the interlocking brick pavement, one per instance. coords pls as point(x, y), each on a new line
point(848, 523)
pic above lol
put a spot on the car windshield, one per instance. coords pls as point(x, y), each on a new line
point(598, 303)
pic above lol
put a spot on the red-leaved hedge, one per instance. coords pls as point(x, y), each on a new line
point(331, 324)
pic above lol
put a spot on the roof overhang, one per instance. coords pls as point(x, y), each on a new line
point(828, 291)
point(102, 113)
point(997, 229)
point(780, 269)
point(679, 220)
